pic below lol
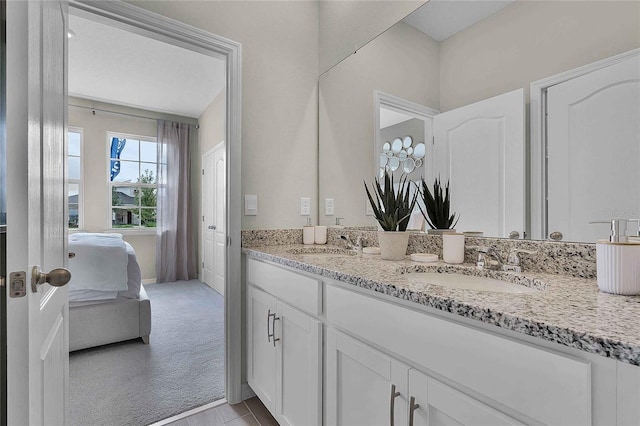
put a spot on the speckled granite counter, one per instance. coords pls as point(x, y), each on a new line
point(567, 310)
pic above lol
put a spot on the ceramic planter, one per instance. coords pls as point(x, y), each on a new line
point(393, 244)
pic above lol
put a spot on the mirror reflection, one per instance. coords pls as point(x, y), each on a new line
point(462, 54)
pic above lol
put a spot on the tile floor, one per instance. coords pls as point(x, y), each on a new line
point(247, 413)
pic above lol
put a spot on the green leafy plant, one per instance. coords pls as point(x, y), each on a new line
point(392, 209)
point(437, 206)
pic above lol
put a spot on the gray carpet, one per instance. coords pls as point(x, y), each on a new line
point(182, 368)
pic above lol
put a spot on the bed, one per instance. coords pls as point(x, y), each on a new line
point(107, 302)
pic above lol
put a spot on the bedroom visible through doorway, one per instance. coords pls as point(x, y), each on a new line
point(120, 84)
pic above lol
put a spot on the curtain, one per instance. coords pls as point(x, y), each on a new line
point(175, 250)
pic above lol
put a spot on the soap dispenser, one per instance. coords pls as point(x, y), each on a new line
point(308, 233)
point(618, 261)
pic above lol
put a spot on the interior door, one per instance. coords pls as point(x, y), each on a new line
point(593, 124)
point(208, 179)
point(219, 209)
point(479, 148)
point(37, 323)
point(213, 215)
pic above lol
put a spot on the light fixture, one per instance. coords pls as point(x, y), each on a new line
point(70, 33)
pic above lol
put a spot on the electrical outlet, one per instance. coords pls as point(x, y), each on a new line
point(305, 206)
point(328, 206)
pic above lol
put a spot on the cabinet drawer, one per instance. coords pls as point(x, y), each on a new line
point(299, 291)
point(546, 386)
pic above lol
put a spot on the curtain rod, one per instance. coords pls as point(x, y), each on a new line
point(93, 110)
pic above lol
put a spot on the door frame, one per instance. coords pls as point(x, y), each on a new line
point(202, 206)
point(150, 24)
point(538, 137)
point(412, 109)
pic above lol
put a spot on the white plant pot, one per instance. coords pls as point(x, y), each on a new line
point(393, 244)
point(440, 231)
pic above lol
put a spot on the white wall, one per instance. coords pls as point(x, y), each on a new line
point(347, 25)
point(402, 62)
point(279, 101)
point(95, 169)
point(531, 40)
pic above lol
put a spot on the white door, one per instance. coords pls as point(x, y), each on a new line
point(436, 404)
point(261, 348)
point(593, 125)
point(364, 386)
point(37, 324)
point(299, 368)
point(479, 148)
point(214, 220)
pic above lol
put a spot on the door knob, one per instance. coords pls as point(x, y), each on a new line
point(211, 227)
point(57, 277)
point(556, 236)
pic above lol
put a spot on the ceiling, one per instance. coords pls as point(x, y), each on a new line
point(390, 117)
point(112, 65)
point(440, 19)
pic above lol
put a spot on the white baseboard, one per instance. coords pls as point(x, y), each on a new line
point(150, 281)
point(246, 392)
point(190, 413)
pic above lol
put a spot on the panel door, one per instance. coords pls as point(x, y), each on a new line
point(261, 351)
point(593, 126)
point(441, 405)
point(219, 216)
point(299, 368)
point(208, 183)
point(361, 384)
point(37, 323)
point(479, 148)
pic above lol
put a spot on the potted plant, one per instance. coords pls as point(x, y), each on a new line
point(437, 207)
point(392, 210)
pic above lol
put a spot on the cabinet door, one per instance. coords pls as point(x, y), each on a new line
point(261, 352)
point(439, 404)
point(299, 367)
point(359, 383)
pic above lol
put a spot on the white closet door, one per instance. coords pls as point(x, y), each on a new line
point(479, 148)
point(593, 146)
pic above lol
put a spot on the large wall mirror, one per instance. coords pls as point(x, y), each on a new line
point(452, 56)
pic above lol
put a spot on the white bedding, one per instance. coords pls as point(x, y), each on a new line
point(84, 296)
point(100, 262)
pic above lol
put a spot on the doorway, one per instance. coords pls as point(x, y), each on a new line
point(118, 117)
point(154, 26)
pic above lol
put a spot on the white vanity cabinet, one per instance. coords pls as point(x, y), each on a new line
point(386, 359)
point(363, 386)
point(284, 346)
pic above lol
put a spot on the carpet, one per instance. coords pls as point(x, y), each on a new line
point(131, 383)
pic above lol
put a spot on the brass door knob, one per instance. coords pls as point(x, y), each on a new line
point(57, 277)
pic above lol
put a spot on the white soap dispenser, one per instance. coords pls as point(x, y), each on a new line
point(308, 233)
point(618, 261)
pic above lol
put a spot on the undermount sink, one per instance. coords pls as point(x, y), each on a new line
point(468, 282)
point(335, 251)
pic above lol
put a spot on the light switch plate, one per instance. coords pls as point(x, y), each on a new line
point(328, 206)
point(305, 206)
point(250, 205)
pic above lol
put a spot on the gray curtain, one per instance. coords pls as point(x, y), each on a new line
point(175, 250)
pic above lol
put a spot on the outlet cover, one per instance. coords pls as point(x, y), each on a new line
point(305, 206)
point(328, 206)
point(250, 205)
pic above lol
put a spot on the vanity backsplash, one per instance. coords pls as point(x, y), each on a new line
point(573, 259)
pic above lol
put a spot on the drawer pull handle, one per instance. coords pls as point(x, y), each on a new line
point(269, 335)
point(273, 330)
point(412, 407)
point(392, 405)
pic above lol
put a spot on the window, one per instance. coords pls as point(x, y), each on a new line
point(74, 177)
point(133, 180)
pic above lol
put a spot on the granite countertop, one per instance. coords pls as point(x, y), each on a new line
point(567, 310)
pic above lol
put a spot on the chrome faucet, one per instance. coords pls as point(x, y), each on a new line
point(489, 258)
point(349, 245)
